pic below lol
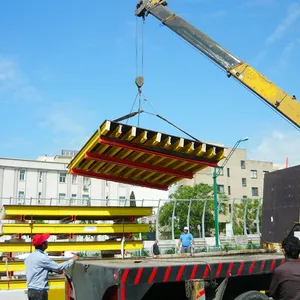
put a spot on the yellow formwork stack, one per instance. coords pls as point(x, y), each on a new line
point(19, 221)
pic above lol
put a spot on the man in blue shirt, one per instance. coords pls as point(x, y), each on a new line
point(37, 266)
point(185, 241)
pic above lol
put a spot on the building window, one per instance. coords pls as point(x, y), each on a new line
point(86, 180)
point(229, 208)
point(229, 190)
point(228, 172)
point(39, 198)
point(73, 198)
point(244, 182)
point(122, 197)
point(62, 177)
point(106, 183)
point(220, 171)
point(22, 175)
point(254, 191)
point(220, 189)
point(61, 196)
point(21, 196)
point(85, 188)
point(74, 179)
point(245, 197)
point(254, 174)
point(243, 164)
point(86, 200)
point(40, 176)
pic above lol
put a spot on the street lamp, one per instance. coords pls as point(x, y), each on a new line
point(215, 175)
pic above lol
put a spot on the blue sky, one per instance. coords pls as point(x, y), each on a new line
point(66, 66)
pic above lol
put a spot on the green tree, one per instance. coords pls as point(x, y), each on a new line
point(198, 191)
point(238, 216)
point(132, 202)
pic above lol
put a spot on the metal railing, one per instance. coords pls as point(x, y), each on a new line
point(156, 204)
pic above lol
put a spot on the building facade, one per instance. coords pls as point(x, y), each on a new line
point(46, 181)
point(240, 177)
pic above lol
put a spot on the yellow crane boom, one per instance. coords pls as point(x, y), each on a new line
point(274, 96)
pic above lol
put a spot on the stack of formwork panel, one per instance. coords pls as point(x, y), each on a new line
point(21, 221)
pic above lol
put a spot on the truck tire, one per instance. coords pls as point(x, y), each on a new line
point(252, 295)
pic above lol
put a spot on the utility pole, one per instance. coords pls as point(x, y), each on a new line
point(216, 203)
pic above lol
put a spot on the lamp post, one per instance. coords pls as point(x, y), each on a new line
point(215, 175)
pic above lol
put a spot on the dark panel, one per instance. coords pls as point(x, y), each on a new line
point(281, 205)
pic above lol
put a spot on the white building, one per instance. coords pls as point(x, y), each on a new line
point(46, 181)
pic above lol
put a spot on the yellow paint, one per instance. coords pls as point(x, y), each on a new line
point(268, 91)
point(54, 229)
point(74, 246)
point(88, 147)
point(11, 212)
point(18, 265)
point(20, 284)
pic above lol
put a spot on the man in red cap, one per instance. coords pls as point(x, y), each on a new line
point(38, 264)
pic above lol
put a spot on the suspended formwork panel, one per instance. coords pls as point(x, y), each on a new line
point(138, 156)
point(28, 212)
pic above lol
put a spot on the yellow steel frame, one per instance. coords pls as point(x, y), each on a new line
point(7, 229)
point(163, 144)
point(268, 91)
point(11, 212)
point(73, 246)
point(18, 265)
point(20, 284)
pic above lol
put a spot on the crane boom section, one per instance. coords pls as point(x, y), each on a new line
point(284, 103)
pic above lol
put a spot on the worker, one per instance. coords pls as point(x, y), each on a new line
point(285, 284)
point(37, 266)
point(155, 248)
point(186, 241)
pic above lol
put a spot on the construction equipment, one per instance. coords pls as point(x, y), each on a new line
point(138, 156)
point(275, 97)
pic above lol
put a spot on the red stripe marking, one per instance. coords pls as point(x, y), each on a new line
point(273, 264)
point(262, 266)
point(124, 276)
point(252, 267)
point(229, 269)
point(137, 165)
point(194, 271)
point(138, 276)
point(144, 149)
point(123, 292)
point(167, 274)
point(220, 266)
point(282, 261)
point(152, 276)
point(240, 268)
point(206, 272)
point(201, 293)
point(180, 273)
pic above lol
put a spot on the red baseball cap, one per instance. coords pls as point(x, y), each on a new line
point(39, 239)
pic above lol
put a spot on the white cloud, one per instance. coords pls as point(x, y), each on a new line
point(277, 146)
point(66, 122)
point(293, 14)
point(15, 84)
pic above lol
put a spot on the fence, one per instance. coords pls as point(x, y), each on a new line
point(157, 205)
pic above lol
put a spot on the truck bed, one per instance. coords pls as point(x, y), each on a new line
point(133, 277)
point(180, 260)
